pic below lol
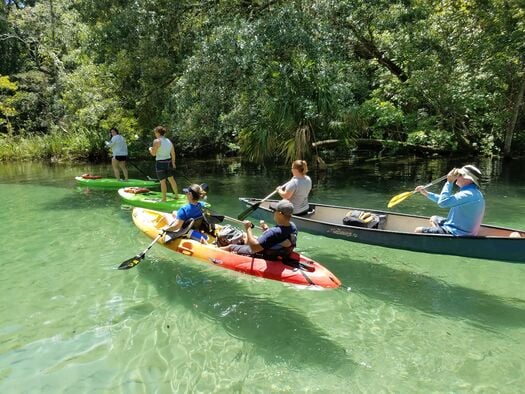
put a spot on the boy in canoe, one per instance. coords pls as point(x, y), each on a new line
point(467, 206)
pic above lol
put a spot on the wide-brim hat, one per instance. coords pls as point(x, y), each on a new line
point(471, 172)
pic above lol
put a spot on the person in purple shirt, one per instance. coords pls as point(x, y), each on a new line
point(467, 206)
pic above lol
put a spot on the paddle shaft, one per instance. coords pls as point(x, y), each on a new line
point(155, 240)
point(130, 263)
point(142, 172)
point(252, 208)
point(433, 182)
point(240, 222)
point(430, 184)
point(214, 218)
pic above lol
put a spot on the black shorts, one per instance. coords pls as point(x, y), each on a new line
point(164, 169)
point(241, 249)
point(121, 158)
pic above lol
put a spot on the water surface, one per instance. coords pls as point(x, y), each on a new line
point(405, 322)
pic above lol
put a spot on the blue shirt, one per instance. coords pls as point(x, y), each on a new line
point(467, 208)
point(190, 211)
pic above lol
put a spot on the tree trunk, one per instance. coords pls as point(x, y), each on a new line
point(512, 125)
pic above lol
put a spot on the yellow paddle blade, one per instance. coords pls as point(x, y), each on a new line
point(398, 198)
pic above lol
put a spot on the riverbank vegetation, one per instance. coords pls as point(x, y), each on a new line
point(265, 79)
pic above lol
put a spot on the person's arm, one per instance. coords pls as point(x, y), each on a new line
point(250, 239)
point(431, 196)
point(287, 190)
point(111, 142)
point(172, 155)
point(421, 189)
point(153, 149)
point(177, 224)
point(180, 217)
point(449, 200)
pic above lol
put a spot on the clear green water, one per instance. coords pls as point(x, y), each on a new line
point(407, 322)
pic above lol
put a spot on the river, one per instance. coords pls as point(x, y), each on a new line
point(403, 322)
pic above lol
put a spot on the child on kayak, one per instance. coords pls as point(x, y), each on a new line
point(192, 210)
point(279, 240)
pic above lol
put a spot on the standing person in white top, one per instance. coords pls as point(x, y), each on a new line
point(119, 149)
point(296, 190)
point(164, 153)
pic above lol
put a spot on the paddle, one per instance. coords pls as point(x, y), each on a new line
point(132, 262)
point(403, 196)
point(243, 215)
point(143, 173)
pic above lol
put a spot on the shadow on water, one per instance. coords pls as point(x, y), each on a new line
point(429, 295)
point(280, 334)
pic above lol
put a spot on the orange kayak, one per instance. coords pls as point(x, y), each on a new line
point(298, 270)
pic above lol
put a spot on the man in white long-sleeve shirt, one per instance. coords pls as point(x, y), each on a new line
point(119, 149)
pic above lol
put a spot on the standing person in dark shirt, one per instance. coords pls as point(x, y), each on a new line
point(164, 153)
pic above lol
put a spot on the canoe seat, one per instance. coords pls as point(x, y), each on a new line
point(311, 211)
point(170, 236)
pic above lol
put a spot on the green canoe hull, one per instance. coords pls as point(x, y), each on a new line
point(153, 200)
point(112, 183)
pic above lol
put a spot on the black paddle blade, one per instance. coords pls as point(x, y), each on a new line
point(214, 219)
point(243, 215)
point(132, 262)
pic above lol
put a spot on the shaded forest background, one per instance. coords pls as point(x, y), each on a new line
point(265, 79)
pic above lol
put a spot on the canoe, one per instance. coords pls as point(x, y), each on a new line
point(397, 232)
point(301, 271)
point(153, 200)
point(113, 183)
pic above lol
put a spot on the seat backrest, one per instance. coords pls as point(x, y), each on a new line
point(197, 223)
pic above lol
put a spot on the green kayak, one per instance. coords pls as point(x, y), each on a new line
point(112, 183)
point(152, 200)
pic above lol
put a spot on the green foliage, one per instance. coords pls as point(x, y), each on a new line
point(6, 85)
point(383, 117)
point(58, 145)
point(264, 79)
point(433, 138)
point(7, 110)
